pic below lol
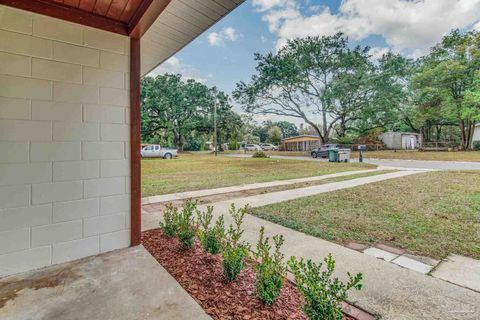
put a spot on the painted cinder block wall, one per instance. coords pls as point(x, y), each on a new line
point(64, 141)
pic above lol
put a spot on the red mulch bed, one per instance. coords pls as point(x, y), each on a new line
point(201, 275)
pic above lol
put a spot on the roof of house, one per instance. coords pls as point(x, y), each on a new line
point(306, 136)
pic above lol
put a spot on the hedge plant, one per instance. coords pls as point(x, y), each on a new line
point(234, 250)
point(270, 269)
point(322, 294)
point(210, 237)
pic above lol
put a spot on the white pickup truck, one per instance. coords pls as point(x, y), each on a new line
point(156, 151)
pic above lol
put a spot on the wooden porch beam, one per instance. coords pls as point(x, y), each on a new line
point(135, 143)
point(145, 16)
point(59, 11)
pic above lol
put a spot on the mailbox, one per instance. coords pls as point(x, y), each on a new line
point(362, 147)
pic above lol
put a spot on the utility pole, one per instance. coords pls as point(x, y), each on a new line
point(215, 126)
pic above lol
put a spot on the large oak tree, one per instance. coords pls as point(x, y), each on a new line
point(320, 80)
point(179, 107)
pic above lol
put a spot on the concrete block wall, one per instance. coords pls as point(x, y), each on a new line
point(64, 141)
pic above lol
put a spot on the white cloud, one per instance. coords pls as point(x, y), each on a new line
point(405, 25)
point(476, 27)
point(174, 66)
point(264, 5)
point(219, 38)
point(376, 52)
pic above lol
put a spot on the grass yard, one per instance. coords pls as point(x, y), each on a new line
point(431, 214)
point(194, 172)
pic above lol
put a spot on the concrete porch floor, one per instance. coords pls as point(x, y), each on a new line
point(123, 284)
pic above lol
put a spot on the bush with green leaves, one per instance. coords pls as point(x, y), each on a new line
point(185, 225)
point(170, 217)
point(476, 145)
point(260, 154)
point(210, 237)
point(270, 269)
point(322, 294)
point(234, 251)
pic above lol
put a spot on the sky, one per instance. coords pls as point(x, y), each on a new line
point(224, 54)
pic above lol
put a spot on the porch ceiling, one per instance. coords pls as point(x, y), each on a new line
point(120, 10)
point(164, 26)
point(180, 23)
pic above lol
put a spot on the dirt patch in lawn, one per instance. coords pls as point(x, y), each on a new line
point(201, 276)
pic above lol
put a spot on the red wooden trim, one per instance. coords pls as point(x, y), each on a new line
point(71, 14)
point(146, 14)
point(135, 144)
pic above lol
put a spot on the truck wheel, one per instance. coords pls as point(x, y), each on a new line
point(167, 156)
point(314, 155)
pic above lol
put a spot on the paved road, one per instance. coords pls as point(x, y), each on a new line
point(422, 164)
point(409, 164)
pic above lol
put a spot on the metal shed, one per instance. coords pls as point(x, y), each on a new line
point(402, 140)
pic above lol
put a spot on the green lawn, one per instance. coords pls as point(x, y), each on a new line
point(194, 172)
point(431, 214)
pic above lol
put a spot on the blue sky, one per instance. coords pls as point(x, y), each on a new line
point(223, 55)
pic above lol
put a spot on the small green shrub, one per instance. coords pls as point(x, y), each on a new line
point(210, 238)
point(234, 251)
point(476, 145)
point(185, 225)
point(322, 294)
point(170, 217)
point(260, 154)
point(270, 270)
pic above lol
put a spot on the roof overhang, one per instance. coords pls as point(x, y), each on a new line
point(164, 26)
point(180, 23)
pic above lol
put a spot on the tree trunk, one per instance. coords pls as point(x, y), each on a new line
point(471, 130)
point(342, 131)
point(463, 134)
point(179, 141)
point(323, 139)
point(324, 127)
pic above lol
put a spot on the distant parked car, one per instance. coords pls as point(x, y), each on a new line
point(156, 151)
point(322, 152)
point(252, 147)
point(268, 147)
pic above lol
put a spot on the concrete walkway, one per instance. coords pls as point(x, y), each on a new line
point(274, 197)
point(125, 284)
point(244, 187)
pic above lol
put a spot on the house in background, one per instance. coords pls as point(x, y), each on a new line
point(401, 140)
point(70, 119)
point(300, 143)
point(476, 135)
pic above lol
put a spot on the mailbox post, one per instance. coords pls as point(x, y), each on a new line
point(361, 148)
